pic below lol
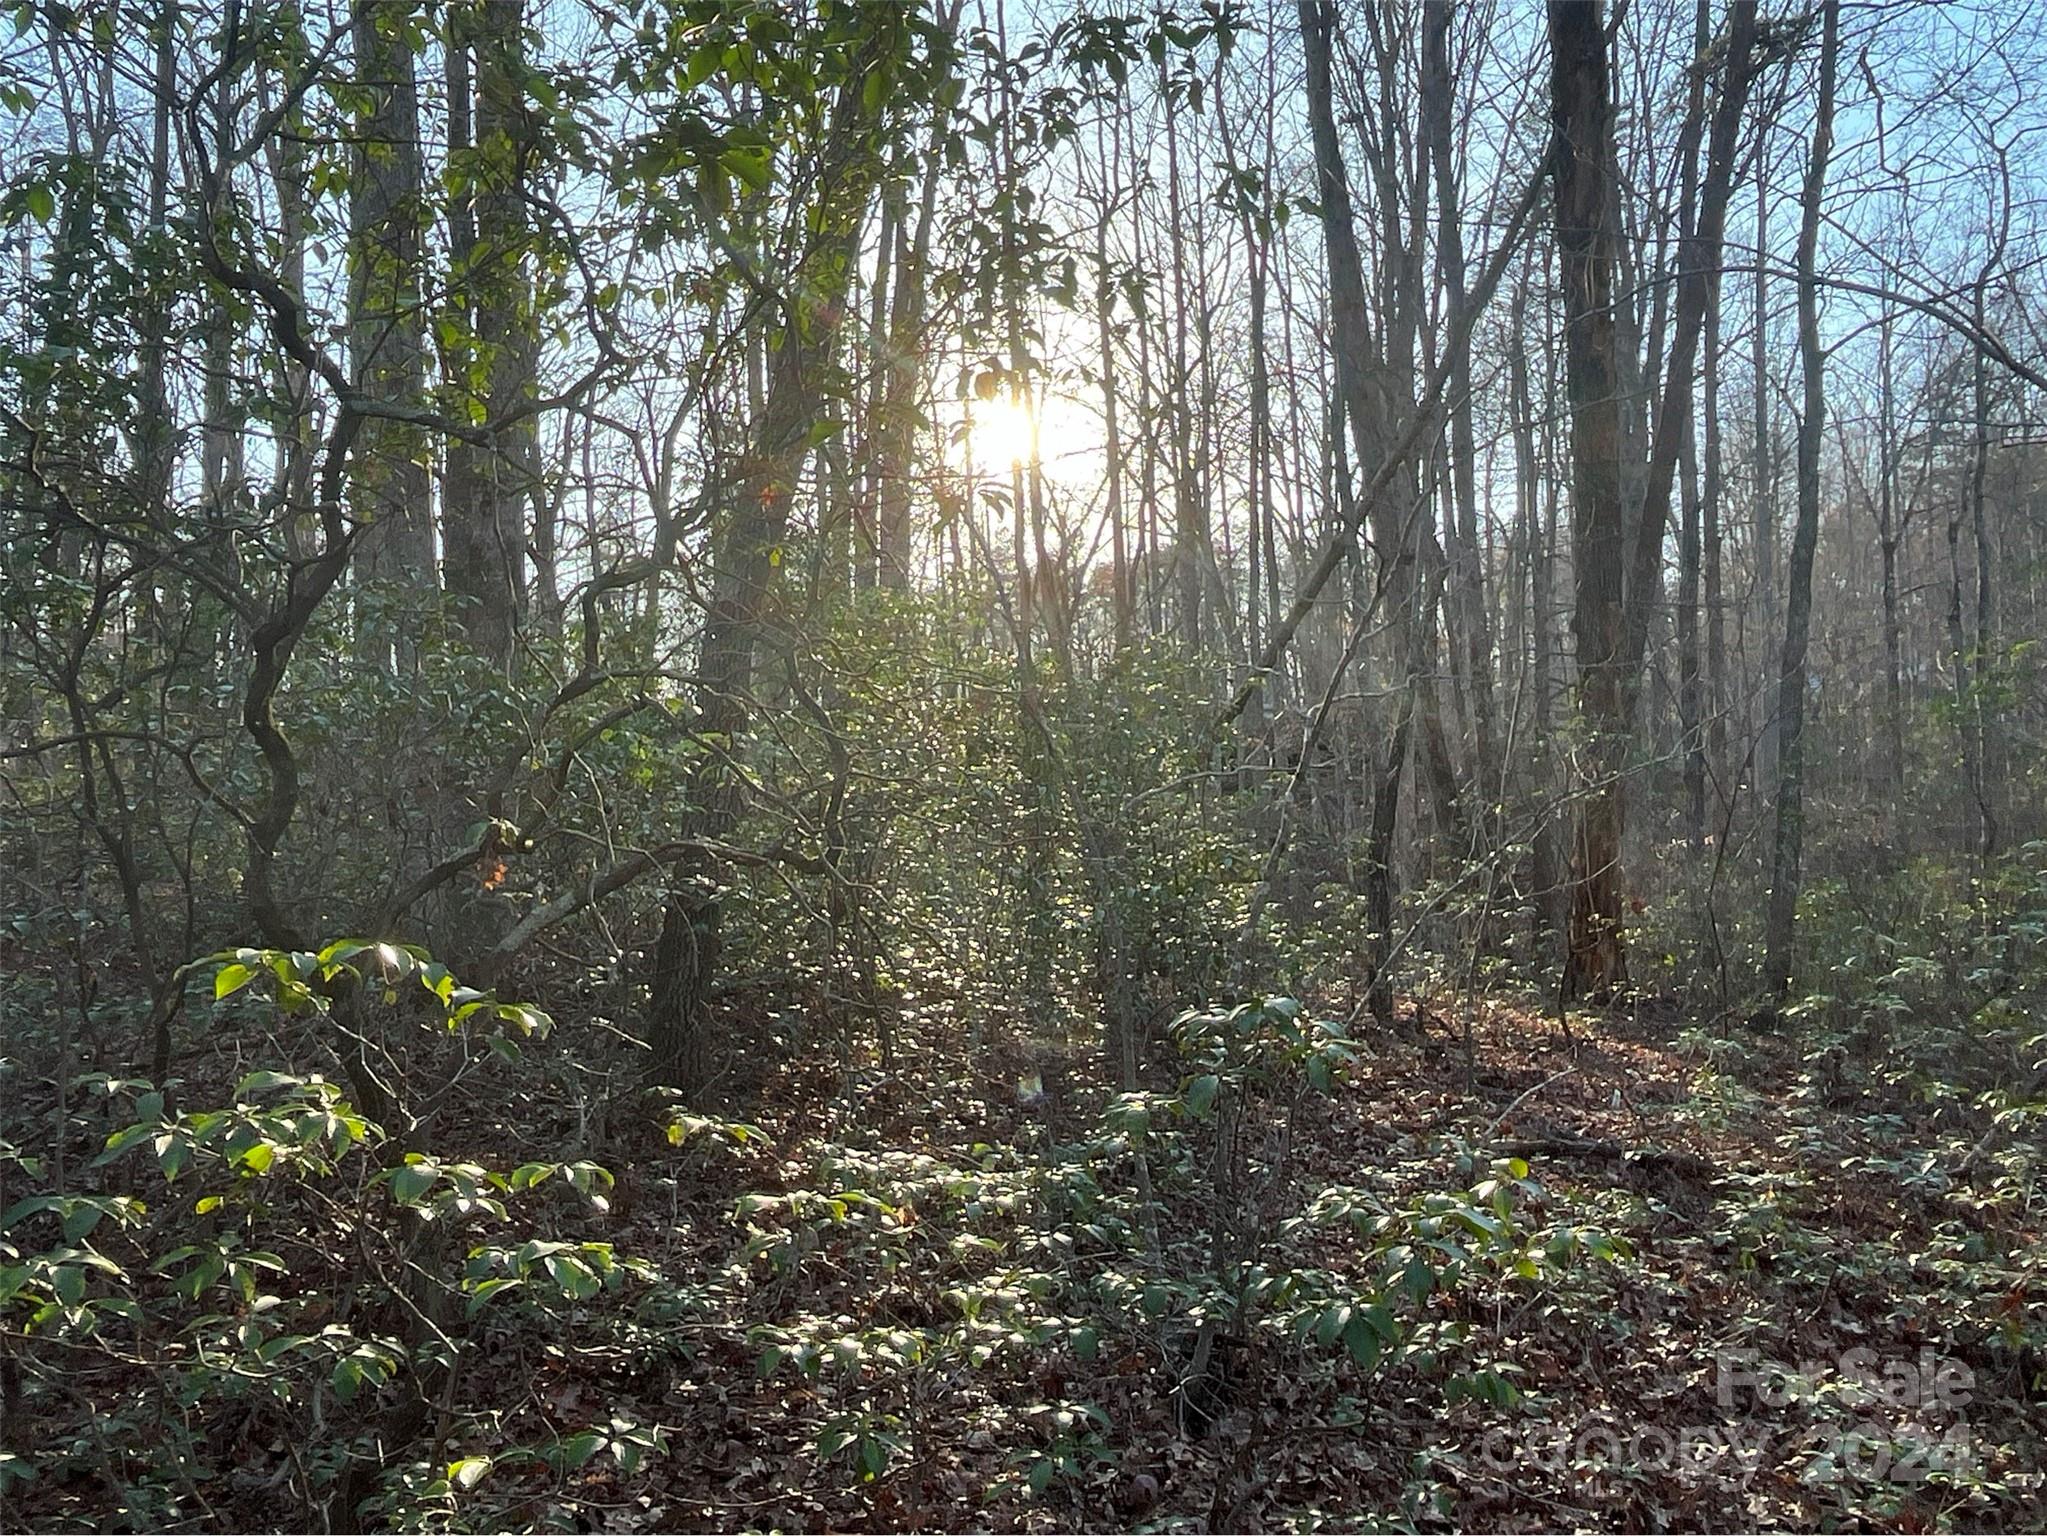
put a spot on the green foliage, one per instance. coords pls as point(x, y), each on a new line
point(896, 1283)
point(279, 1255)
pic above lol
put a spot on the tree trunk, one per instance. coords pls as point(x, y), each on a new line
point(389, 491)
point(747, 549)
point(1711, 501)
point(1582, 113)
point(1466, 568)
point(1188, 524)
point(1764, 471)
point(1785, 864)
point(1977, 714)
point(1689, 694)
point(1699, 256)
point(903, 375)
point(489, 495)
point(1888, 538)
point(1120, 604)
point(1365, 396)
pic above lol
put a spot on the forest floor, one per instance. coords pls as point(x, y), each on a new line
point(1807, 1293)
point(1820, 1319)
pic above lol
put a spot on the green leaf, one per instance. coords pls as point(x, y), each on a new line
point(346, 1379)
point(754, 166)
point(271, 1350)
point(230, 979)
point(26, 1207)
point(412, 1181)
point(1362, 1341)
point(1201, 1094)
point(573, 1276)
point(263, 1082)
point(490, 1288)
point(122, 1141)
point(468, 1472)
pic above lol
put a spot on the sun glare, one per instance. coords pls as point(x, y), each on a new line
point(1002, 432)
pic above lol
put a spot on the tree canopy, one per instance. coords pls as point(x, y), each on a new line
point(1023, 763)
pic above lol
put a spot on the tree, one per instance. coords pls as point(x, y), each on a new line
point(749, 540)
point(488, 494)
point(1582, 111)
point(390, 491)
point(1793, 682)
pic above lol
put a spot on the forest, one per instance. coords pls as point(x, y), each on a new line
point(1026, 765)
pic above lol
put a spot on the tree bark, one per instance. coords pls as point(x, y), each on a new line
point(1365, 396)
point(747, 550)
point(1467, 570)
point(1712, 500)
point(489, 494)
point(902, 374)
point(1785, 875)
point(1582, 115)
point(1763, 472)
point(389, 492)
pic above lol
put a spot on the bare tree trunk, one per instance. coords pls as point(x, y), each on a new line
point(1690, 694)
point(897, 423)
point(1537, 537)
point(1764, 471)
point(1712, 500)
point(1583, 118)
point(903, 374)
point(1105, 298)
point(1189, 534)
point(1785, 875)
point(1888, 538)
point(1976, 717)
point(1689, 701)
point(1254, 224)
point(863, 499)
point(1466, 568)
point(1365, 396)
point(1699, 255)
point(1610, 674)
